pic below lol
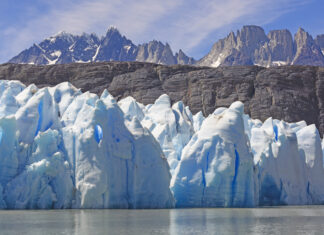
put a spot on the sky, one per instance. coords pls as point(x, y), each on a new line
point(190, 25)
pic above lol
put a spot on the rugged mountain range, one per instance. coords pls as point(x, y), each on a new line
point(249, 46)
point(291, 93)
point(65, 48)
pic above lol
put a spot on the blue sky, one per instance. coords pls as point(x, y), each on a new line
point(187, 24)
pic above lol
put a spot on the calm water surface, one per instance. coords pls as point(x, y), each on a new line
point(285, 220)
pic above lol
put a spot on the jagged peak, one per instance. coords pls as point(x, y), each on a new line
point(112, 30)
point(279, 34)
point(301, 30)
point(251, 27)
point(153, 42)
point(89, 34)
point(61, 34)
point(279, 31)
point(231, 34)
point(302, 37)
point(156, 42)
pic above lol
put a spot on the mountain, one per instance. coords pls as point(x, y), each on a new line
point(251, 46)
point(65, 48)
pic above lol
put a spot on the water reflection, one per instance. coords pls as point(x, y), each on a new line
point(287, 220)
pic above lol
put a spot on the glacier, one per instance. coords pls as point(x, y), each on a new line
point(230, 160)
point(61, 148)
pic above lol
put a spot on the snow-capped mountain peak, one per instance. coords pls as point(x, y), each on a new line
point(64, 47)
point(248, 46)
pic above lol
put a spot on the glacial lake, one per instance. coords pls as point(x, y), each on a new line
point(280, 220)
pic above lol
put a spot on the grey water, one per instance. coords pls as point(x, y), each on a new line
point(280, 220)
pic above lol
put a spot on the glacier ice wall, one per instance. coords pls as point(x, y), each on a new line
point(61, 148)
point(231, 160)
point(216, 168)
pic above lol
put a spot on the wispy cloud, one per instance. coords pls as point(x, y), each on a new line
point(183, 23)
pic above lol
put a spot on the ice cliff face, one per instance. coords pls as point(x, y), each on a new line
point(61, 148)
point(64, 149)
point(231, 160)
point(220, 164)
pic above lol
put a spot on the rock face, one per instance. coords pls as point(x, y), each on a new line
point(307, 52)
point(291, 93)
point(319, 40)
point(251, 46)
point(64, 48)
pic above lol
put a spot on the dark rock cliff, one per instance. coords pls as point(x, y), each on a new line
point(291, 93)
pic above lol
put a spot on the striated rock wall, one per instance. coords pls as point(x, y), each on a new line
point(291, 93)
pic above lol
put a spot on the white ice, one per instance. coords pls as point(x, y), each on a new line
point(61, 148)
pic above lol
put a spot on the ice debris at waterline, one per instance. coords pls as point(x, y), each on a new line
point(60, 148)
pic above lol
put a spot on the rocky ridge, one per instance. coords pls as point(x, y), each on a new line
point(290, 93)
point(251, 46)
